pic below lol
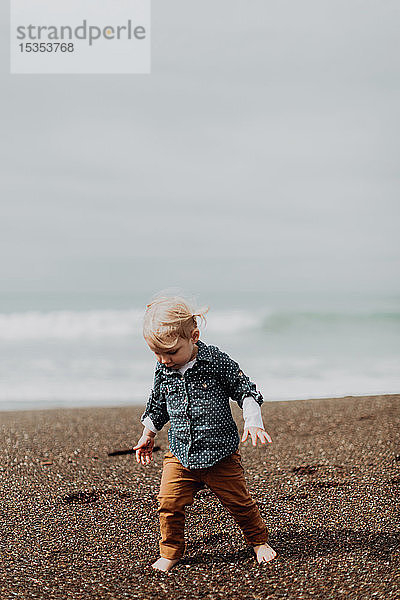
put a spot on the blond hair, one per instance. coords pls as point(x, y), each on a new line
point(167, 318)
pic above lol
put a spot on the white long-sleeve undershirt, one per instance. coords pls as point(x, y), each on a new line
point(251, 409)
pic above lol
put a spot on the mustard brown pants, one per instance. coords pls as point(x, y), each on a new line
point(178, 488)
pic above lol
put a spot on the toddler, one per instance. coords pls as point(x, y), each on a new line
point(192, 386)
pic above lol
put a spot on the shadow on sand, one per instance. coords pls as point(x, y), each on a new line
point(310, 543)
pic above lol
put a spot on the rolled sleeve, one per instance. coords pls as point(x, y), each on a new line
point(156, 409)
point(252, 413)
point(147, 422)
point(236, 382)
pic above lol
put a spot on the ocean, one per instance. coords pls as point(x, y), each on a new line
point(88, 351)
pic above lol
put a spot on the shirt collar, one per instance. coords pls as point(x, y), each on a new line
point(203, 353)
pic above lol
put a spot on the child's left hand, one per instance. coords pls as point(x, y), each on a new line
point(256, 432)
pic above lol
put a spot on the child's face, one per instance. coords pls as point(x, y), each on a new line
point(183, 351)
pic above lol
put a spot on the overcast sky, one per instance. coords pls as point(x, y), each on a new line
point(266, 140)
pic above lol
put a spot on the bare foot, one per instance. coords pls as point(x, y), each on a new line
point(164, 564)
point(264, 553)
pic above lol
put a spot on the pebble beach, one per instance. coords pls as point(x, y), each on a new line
point(79, 514)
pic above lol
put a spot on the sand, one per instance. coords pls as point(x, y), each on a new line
point(78, 522)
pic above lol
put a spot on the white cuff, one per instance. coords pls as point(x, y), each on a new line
point(252, 413)
point(147, 422)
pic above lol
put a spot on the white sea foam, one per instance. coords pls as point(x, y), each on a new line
point(69, 325)
point(234, 321)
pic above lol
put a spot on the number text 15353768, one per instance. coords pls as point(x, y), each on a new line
point(47, 47)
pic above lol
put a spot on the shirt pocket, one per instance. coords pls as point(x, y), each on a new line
point(173, 396)
point(206, 391)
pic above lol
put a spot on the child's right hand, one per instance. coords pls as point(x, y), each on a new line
point(144, 449)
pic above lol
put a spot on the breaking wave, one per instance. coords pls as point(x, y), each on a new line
point(70, 325)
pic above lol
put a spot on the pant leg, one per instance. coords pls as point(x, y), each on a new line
point(177, 490)
point(226, 480)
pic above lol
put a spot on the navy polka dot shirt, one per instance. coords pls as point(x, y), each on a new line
point(202, 428)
